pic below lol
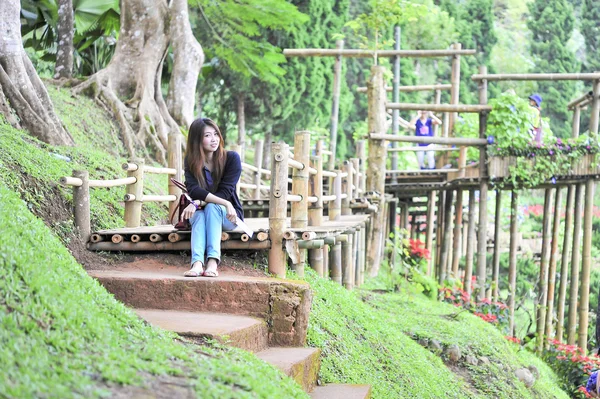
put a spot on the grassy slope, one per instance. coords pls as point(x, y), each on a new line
point(61, 334)
point(361, 345)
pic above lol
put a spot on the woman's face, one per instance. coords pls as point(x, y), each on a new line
point(210, 139)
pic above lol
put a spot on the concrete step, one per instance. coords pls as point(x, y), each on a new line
point(341, 391)
point(302, 364)
point(283, 304)
point(240, 331)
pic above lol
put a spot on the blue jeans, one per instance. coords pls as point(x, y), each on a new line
point(207, 225)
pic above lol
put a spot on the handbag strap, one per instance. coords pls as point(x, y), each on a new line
point(179, 185)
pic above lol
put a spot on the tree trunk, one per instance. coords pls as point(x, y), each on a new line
point(63, 67)
point(23, 96)
point(188, 58)
point(131, 83)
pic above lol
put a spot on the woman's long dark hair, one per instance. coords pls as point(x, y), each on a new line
point(196, 158)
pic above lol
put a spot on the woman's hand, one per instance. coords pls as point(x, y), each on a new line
point(188, 212)
point(231, 214)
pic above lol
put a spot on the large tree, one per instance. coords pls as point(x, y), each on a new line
point(24, 101)
point(551, 23)
point(131, 84)
point(590, 29)
point(64, 54)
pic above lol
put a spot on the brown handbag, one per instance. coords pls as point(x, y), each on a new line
point(182, 203)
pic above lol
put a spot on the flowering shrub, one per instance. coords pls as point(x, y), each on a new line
point(569, 362)
point(513, 339)
point(418, 250)
point(493, 312)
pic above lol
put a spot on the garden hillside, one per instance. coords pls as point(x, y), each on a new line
point(62, 335)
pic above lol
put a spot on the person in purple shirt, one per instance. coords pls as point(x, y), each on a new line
point(211, 176)
point(423, 125)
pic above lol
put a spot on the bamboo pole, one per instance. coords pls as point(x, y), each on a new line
point(574, 103)
point(458, 215)
point(575, 262)
point(564, 263)
point(470, 243)
point(348, 266)
point(335, 106)
point(315, 210)
point(576, 121)
point(278, 208)
point(440, 230)
point(537, 76)
point(446, 237)
point(154, 237)
point(356, 178)
point(455, 82)
point(146, 246)
point(469, 142)
point(96, 238)
point(586, 264)
point(315, 52)
point(483, 194)
point(81, 205)
point(133, 209)
point(258, 159)
point(377, 158)
point(355, 257)
point(335, 262)
point(512, 260)
point(496, 262)
point(429, 234)
point(543, 280)
point(347, 188)
point(335, 206)
point(552, 268)
point(594, 114)
point(174, 161)
point(362, 155)
point(299, 210)
point(409, 89)
point(396, 99)
point(468, 108)
point(116, 238)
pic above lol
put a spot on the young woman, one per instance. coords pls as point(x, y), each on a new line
point(423, 125)
point(211, 174)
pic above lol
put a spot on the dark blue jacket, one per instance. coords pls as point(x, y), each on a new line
point(226, 188)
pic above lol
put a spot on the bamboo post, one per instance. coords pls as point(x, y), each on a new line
point(363, 253)
point(335, 262)
point(575, 262)
point(552, 268)
point(543, 280)
point(483, 192)
point(396, 99)
point(595, 117)
point(362, 155)
point(455, 82)
point(174, 161)
point(356, 257)
point(586, 264)
point(564, 263)
point(335, 107)
point(440, 230)
point(278, 207)
point(356, 177)
point(315, 212)
point(512, 261)
point(133, 209)
point(348, 267)
point(576, 121)
point(347, 188)
point(457, 236)
point(335, 206)
point(392, 214)
point(496, 262)
point(81, 205)
point(377, 158)
point(446, 237)
point(470, 243)
point(300, 187)
point(430, 225)
point(258, 159)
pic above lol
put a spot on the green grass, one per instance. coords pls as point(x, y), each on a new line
point(62, 335)
point(369, 341)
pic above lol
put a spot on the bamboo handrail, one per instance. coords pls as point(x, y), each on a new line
point(461, 141)
point(536, 76)
point(473, 108)
point(327, 173)
point(413, 88)
point(150, 198)
point(74, 181)
point(327, 198)
point(587, 96)
point(428, 148)
point(294, 198)
point(164, 171)
point(426, 171)
point(295, 164)
point(309, 52)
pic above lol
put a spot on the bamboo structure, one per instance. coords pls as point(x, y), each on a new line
point(174, 161)
point(258, 160)
point(456, 235)
point(278, 208)
point(595, 112)
point(410, 89)
point(552, 267)
point(575, 262)
point(396, 98)
point(300, 187)
point(347, 265)
point(470, 243)
point(483, 194)
point(377, 159)
point(335, 262)
point(512, 261)
point(133, 209)
point(145, 246)
point(310, 52)
point(455, 82)
point(447, 236)
point(496, 261)
point(536, 76)
point(81, 205)
point(542, 294)
point(335, 107)
point(440, 107)
point(315, 210)
point(431, 140)
point(440, 230)
point(347, 183)
point(335, 206)
point(564, 263)
point(586, 264)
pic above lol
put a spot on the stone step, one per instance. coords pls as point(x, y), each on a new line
point(283, 304)
point(240, 331)
point(341, 391)
point(301, 364)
